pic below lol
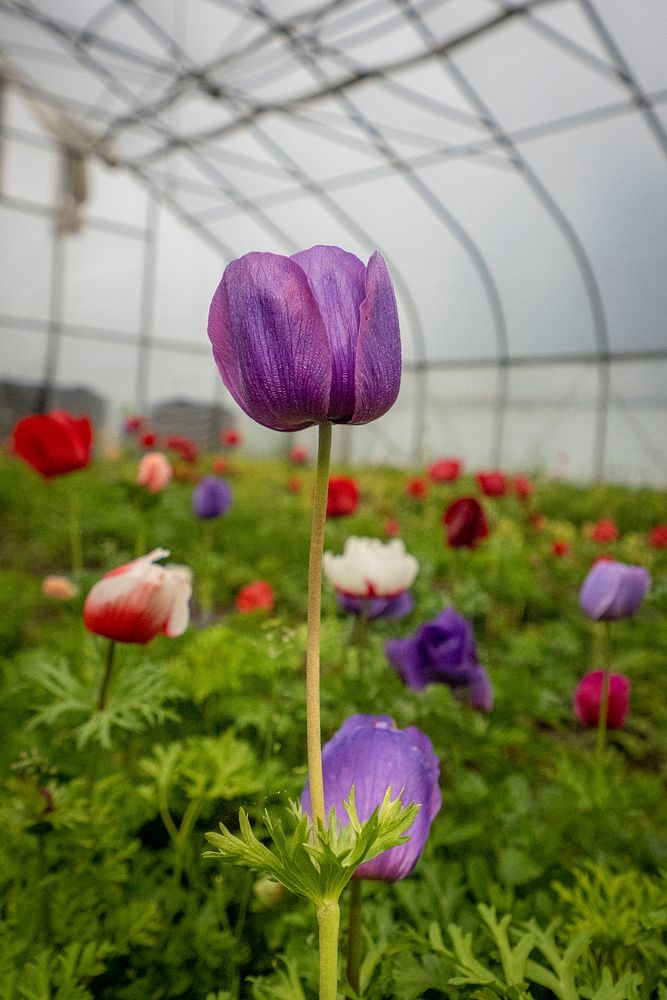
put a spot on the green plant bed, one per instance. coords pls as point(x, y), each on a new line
point(542, 876)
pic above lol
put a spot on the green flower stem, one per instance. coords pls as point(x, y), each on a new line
point(76, 552)
point(354, 935)
point(102, 697)
point(140, 543)
point(601, 739)
point(206, 585)
point(328, 919)
point(313, 728)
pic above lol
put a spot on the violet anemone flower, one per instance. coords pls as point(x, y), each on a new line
point(443, 651)
point(613, 590)
point(307, 339)
point(372, 577)
point(370, 753)
point(212, 498)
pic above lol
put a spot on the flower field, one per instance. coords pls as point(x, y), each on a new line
point(543, 871)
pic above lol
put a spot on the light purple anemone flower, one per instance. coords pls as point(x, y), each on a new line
point(371, 753)
point(613, 590)
point(307, 339)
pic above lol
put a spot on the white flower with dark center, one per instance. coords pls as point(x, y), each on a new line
point(371, 568)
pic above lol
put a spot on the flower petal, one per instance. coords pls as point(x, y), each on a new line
point(270, 342)
point(338, 280)
point(377, 374)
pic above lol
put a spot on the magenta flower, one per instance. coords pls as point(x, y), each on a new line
point(371, 753)
point(588, 695)
point(613, 590)
point(307, 339)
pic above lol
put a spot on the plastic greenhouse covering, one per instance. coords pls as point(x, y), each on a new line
point(509, 159)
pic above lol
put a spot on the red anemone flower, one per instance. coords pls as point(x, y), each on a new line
point(342, 497)
point(492, 484)
point(255, 597)
point(232, 438)
point(417, 488)
point(465, 523)
point(53, 443)
point(604, 531)
point(445, 470)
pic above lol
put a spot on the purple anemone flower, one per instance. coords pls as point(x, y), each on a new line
point(480, 690)
point(613, 590)
point(307, 339)
point(369, 752)
point(396, 606)
point(212, 498)
point(443, 651)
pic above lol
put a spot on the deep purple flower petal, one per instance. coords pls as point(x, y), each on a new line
point(394, 607)
point(480, 690)
point(338, 280)
point(378, 364)
point(371, 754)
point(403, 654)
point(270, 342)
point(613, 590)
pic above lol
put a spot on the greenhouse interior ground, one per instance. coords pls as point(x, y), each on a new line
point(333, 494)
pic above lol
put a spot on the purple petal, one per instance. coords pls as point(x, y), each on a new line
point(270, 342)
point(372, 755)
point(613, 590)
point(480, 690)
point(394, 607)
point(338, 281)
point(404, 656)
point(378, 363)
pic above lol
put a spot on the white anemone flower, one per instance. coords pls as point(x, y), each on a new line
point(369, 567)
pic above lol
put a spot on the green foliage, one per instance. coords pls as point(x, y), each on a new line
point(538, 880)
point(316, 868)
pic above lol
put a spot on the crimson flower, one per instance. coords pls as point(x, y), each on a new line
point(133, 424)
point(604, 531)
point(445, 470)
point(659, 536)
point(140, 600)
point(148, 439)
point(492, 484)
point(342, 496)
point(560, 548)
point(255, 597)
point(53, 443)
point(298, 455)
point(185, 447)
point(306, 339)
point(417, 488)
point(588, 696)
point(465, 523)
point(231, 438)
point(523, 487)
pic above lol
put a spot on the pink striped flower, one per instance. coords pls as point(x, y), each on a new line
point(140, 600)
